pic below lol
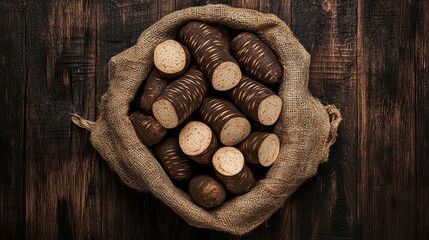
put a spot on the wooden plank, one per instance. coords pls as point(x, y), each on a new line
point(250, 4)
point(164, 7)
point(387, 163)
point(325, 206)
point(281, 8)
point(12, 85)
point(284, 11)
point(62, 176)
point(181, 4)
point(120, 24)
point(422, 117)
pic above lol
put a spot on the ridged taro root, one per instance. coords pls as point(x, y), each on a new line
point(198, 142)
point(206, 191)
point(148, 130)
point(211, 55)
point(171, 58)
point(256, 58)
point(180, 98)
point(232, 171)
point(229, 124)
point(257, 101)
point(154, 86)
point(260, 148)
point(224, 33)
point(175, 163)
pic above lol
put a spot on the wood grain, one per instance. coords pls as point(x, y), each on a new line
point(387, 166)
point(327, 29)
point(126, 213)
point(12, 141)
point(62, 175)
point(422, 117)
point(250, 4)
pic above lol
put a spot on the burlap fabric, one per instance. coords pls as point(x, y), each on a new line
point(306, 127)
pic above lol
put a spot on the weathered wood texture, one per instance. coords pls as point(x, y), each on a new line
point(422, 117)
point(387, 97)
point(12, 109)
point(119, 24)
point(369, 58)
point(329, 35)
point(62, 177)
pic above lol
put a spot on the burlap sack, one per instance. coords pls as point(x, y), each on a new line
point(306, 127)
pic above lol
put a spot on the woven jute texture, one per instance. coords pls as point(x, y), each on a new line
point(306, 127)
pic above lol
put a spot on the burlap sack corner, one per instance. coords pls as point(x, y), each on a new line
point(306, 127)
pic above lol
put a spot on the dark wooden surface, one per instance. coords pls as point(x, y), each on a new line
point(369, 57)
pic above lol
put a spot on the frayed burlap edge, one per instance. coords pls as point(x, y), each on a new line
point(306, 128)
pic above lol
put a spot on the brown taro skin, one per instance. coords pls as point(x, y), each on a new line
point(148, 130)
point(224, 33)
point(257, 126)
point(180, 98)
point(232, 171)
point(206, 191)
point(260, 148)
point(176, 164)
point(228, 123)
point(241, 183)
point(248, 96)
point(211, 54)
point(154, 86)
point(256, 58)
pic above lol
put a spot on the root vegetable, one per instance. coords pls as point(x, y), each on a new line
point(175, 163)
point(256, 58)
point(257, 101)
point(148, 130)
point(224, 33)
point(171, 58)
point(211, 55)
point(180, 98)
point(232, 171)
point(155, 84)
point(260, 148)
point(229, 124)
point(198, 142)
point(206, 191)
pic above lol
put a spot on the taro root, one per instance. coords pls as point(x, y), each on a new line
point(180, 98)
point(229, 124)
point(224, 33)
point(206, 191)
point(154, 86)
point(260, 148)
point(148, 130)
point(256, 58)
point(211, 54)
point(198, 142)
point(232, 171)
point(175, 163)
point(257, 101)
point(171, 58)
point(202, 125)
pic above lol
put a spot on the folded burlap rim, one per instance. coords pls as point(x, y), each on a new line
point(306, 127)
